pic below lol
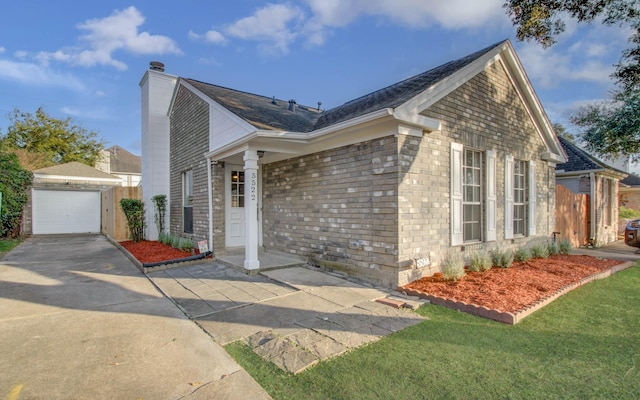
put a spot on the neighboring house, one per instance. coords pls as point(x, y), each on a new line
point(585, 174)
point(453, 161)
point(119, 162)
point(65, 198)
point(629, 192)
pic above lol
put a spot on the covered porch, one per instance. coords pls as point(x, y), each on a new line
point(268, 260)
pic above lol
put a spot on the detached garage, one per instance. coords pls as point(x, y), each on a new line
point(66, 199)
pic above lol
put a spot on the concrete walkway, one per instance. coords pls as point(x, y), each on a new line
point(616, 250)
point(78, 320)
point(292, 317)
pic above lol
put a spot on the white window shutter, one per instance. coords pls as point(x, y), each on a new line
point(508, 197)
point(456, 194)
point(532, 198)
point(491, 196)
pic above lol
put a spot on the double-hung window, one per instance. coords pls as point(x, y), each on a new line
point(187, 201)
point(520, 197)
point(473, 195)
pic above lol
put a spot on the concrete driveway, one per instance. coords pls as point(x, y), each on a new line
point(78, 320)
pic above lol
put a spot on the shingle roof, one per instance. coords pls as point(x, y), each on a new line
point(260, 110)
point(122, 161)
point(631, 180)
point(263, 114)
point(580, 160)
point(398, 93)
point(74, 169)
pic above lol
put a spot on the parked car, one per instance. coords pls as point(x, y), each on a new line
point(631, 233)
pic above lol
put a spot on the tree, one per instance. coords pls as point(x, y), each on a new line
point(51, 140)
point(15, 182)
point(562, 132)
point(603, 131)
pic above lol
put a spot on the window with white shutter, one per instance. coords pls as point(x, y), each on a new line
point(456, 194)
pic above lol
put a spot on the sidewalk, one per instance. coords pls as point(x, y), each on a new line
point(292, 317)
point(616, 250)
point(78, 320)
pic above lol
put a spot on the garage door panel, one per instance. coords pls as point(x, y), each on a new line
point(66, 211)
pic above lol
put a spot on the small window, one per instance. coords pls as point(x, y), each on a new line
point(519, 197)
point(237, 189)
point(472, 196)
point(187, 201)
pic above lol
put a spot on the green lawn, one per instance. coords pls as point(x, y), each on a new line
point(584, 345)
point(7, 244)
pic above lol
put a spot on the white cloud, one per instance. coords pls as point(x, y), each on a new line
point(275, 25)
point(37, 75)
point(578, 62)
point(212, 36)
point(105, 36)
point(2, 49)
point(451, 14)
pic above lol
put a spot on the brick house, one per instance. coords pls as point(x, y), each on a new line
point(629, 192)
point(458, 159)
point(585, 174)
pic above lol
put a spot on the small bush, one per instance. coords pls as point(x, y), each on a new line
point(164, 238)
point(564, 246)
point(479, 262)
point(628, 213)
point(553, 248)
point(185, 244)
point(175, 242)
point(522, 255)
point(539, 251)
point(452, 268)
point(501, 258)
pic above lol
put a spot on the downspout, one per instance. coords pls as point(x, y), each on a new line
point(592, 206)
point(209, 196)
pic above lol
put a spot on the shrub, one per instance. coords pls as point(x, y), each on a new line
point(539, 251)
point(479, 262)
point(164, 238)
point(175, 242)
point(553, 248)
point(160, 209)
point(628, 213)
point(501, 258)
point(564, 246)
point(452, 268)
point(134, 212)
point(523, 254)
point(15, 182)
point(185, 244)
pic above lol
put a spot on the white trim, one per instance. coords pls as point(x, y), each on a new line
point(491, 197)
point(76, 178)
point(508, 196)
point(455, 172)
point(533, 200)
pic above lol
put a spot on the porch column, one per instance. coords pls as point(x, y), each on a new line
point(251, 209)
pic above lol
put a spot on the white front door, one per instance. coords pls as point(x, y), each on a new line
point(234, 206)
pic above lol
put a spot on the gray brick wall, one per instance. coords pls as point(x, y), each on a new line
point(189, 141)
point(337, 209)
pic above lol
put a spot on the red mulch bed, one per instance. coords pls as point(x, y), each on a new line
point(148, 251)
point(512, 289)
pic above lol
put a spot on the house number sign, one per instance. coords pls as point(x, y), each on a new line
point(253, 186)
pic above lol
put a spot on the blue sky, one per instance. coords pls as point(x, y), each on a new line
point(85, 59)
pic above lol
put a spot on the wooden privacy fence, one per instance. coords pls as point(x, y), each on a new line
point(572, 216)
point(113, 220)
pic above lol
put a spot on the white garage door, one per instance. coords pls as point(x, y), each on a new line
point(65, 211)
